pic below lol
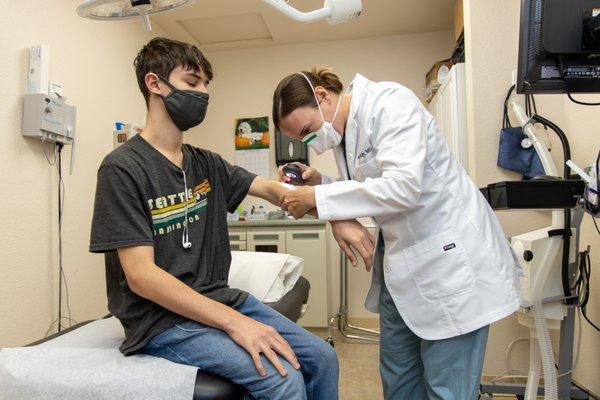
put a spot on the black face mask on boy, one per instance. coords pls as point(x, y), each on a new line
point(187, 108)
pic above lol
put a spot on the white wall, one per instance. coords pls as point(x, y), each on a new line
point(491, 32)
point(93, 62)
point(244, 84)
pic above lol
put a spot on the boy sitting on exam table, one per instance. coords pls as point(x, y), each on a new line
point(160, 218)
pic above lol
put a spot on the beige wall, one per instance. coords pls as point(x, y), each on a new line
point(244, 84)
point(245, 79)
point(491, 31)
point(93, 62)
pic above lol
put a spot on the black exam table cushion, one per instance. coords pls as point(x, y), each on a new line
point(212, 387)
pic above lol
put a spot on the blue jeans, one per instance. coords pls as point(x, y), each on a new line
point(414, 368)
point(212, 350)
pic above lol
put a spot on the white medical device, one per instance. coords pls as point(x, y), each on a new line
point(108, 10)
point(335, 11)
point(532, 249)
point(48, 119)
point(46, 115)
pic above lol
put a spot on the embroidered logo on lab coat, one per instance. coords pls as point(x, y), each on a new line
point(365, 152)
point(449, 246)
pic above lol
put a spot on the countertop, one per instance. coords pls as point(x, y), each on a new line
point(277, 222)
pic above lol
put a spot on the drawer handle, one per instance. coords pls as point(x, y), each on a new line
point(266, 237)
point(305, 236)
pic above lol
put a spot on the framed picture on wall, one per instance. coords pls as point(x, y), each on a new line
point(252, 144)
point(252, 133)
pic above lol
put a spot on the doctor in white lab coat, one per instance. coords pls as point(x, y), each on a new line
point(443, 269)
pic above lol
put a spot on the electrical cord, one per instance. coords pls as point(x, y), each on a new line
point(509, 350)
point(561, 70)
point(71, 322)
point(582, 285)
point(593, 396)
point(581, 102)
point(596, 225)
point(62, 277)
point(530, 110)
point(577, 352)
point(510, 372)
point(588, 320)
point(50, 162)
point(59, 146)
point(567, 212)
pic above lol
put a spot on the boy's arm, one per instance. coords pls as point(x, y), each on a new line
point(268, 190)
point(272, 191)
point(349, 234)
point(149, 281)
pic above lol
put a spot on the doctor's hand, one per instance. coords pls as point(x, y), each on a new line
point(310, 175)
point(299, 201)
point(351, 234)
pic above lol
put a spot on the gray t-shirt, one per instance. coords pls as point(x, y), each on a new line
point(140, 201)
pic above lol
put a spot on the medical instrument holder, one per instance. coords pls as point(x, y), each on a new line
point(567, 326)
point(565, 353)
point(346, 329)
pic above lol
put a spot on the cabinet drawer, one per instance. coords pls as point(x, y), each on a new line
point(266, 241)
point(237, 245)
point(237, 236)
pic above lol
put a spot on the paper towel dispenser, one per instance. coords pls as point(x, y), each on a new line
point(289, 150)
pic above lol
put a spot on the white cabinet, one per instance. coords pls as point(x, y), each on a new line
point(449, 108)
point(308, 242)
point(312, 247)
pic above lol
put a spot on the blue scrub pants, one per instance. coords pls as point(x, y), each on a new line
point(413, 368)
point(213, 350)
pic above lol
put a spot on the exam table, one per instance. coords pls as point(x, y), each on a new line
point(212, 387)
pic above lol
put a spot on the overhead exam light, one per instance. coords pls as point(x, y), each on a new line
point(108, 10)
point(335, 11)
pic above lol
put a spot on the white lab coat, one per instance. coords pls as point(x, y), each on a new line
point(447, 265)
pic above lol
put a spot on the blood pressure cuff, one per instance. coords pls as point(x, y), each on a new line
point(513, 156)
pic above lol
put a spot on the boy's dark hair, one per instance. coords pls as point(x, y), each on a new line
point(161, 56)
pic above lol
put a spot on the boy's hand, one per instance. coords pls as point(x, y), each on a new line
point(299, 201)
point(351, 234)
point(257, 338)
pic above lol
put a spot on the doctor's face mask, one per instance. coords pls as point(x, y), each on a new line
point(326, 137)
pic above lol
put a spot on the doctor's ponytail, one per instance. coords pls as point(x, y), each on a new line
point(322, 76)
point(294, 91)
